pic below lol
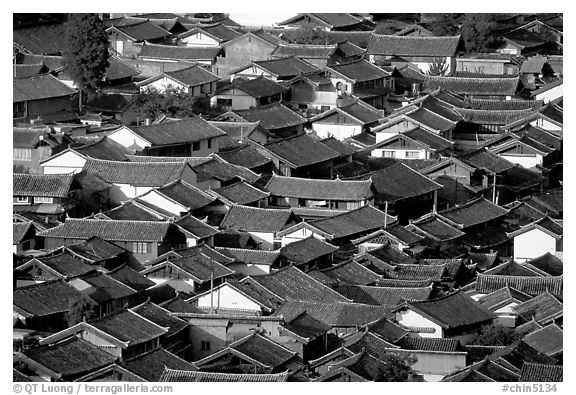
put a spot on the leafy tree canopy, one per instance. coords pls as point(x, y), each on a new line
point(86, 52)
point(174, 103)
point(307, 35)
point(496, 335)
point(397, 368)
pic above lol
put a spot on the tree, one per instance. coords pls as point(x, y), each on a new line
point(438, 67)
point(174, 103)
point(496, 335)
point(86, 53)
point(307, 35)
point(445, 24)
point(81, 309)
point(396, 368)
point(477, 32)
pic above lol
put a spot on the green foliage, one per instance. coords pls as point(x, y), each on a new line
point(496, 335)
point(81, 309)
point(477, 32)
point(438, 67)
point(174, 103)
point(307, 35)
point(397, 368)
point(86, 52)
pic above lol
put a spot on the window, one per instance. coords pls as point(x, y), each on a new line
point(196, 146)
point(224, 102)
point(209, 143)
point(324, 108)
point(23, 154)
point(39, 199)
point(388, 154)
point(412, 154)
point(140, 248)
point(22, 199)
point(205, 345)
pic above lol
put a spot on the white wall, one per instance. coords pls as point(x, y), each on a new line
point(162, 84)
point(240, 101)
point(533, 244)
point(340, 132)
point(550, 94)
point(125, 137)
point(400, 153)
point(227, 298)
point(266, 240)
point(200, 40)
point(299, 235)
point(249, 269)
point(69, 162)
point(412, 319)
point(545, 124)
point(335, 80)
point(527, 161)
point(158, 200)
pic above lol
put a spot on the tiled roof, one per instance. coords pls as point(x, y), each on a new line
point(71, 358)
point(263, 350)
point(484, 159)
point(306, 326)
point(453, 311)
point(273, 116)
point(359, 71)
point(293, 284)
point(240, 193)
point(306, 51)
point(177, 132)
point(472, 86)
point(334, 314)
point(547, 340)
point(223, 171)
point(254, 257)
point(19, 230)
point(27, 70)
point(247, 156)
point(152, 174)
point(151, 365)
point(547, 263)
point(179, 305)
point(398, 283)
point(489, 117)
point(472, 213)
point(306, 250)
point(160, 316)
point(545, 224)
point(96, 249)
point(218, 30)
point(432, 226)
point(372, 344)
point(386, 329)
point(172, 375)
point(432, 140)
point(45, 298)
point(435, 273)
point(381, 44)
point(482, 371)
point(155, 51)
point(383, 296)
point(259, 293)
point(47, 39)
point(429, 344)
point(118, 69)
point(519, 353)
point(83, 229)
point(503, 296)
point(284, 67)
point(195, 227)
point(503, 105)
point(258, 87)
point(399, 182)
point(333, 20)
point(340, 146)
point(135, 210)
point(132, 278)
point(194, 75)
point(359, 38)
point(301, 150)
point(104, 148)
point(306, 188)
point(186, 194)
point(201, 267)
point(539, 372)
point(488, 283)
point(431, 119)
point(66, 264)
point(129, 327)
point(542, 308)
point(41, 87)
point(252, 219)
point(349, 273)
point(102, 288)
point(139, 29)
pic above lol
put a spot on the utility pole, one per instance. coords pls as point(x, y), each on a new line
point(212, 292)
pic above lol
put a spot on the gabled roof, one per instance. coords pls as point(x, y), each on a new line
point(44, 39)
point(263, 350)
point(349, 272)
point(306, 250)
point(69, 359)
point(332, 20)
point(218, 31)
point(257, 87)
point(483, 371)
point(102, 288)
point(20, 230)
point(189, 376)
point(434, 227)
point(365, 340)
point(217, 168)
point(301, 150)
point(135, 210)
point(486, 160)
point(519, 353)
point(127, 275)
point(129, 327)
point(429, 344)
point(547, 264)
point(194, 75)
point(542, 308)
point(281, 68)
point(157, 51)
point(45, 185)
point(306, 326)
point(502, 297)
point(152, 365)
point(358, 71)
point(39, 87)
point(247, 156)
point(153, 174)
point(305, 51)
point(260, 34)
point(178, 132)
point(358, 111)
point(472, 86)
point(192, 226)
point(63, 264)
point(474, 212)
point(396, 45)
point(160, 316)
point(103, 148)
point(138, 29)
point(252, 219)
point(306, 188)
point(399, 182)
point(539, 372)
point(383, 296)
point(84, 229)
point(436, 273)
point(487, 283)
point(293, 284)
point(359, 38)
point(547, 340)
point(96, 249)
point(273, 116)
point(253, 257)
point(453, 310)
point(44, 299)
point(545, 224)
point(199, 266)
